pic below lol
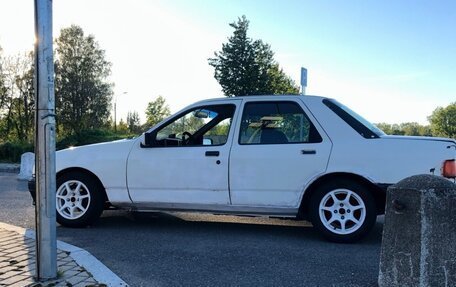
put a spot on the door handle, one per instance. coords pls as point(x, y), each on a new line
point(308, 151)
point(212, 153)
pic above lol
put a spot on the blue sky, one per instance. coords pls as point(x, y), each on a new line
point(392, 61)
point(396, 41)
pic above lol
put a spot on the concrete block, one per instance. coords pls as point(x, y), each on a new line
point(27, 163)
point(419, 234)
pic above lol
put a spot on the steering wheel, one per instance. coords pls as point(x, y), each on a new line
point(188, 135)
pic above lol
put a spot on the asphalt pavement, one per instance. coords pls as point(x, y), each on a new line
point(182, 249)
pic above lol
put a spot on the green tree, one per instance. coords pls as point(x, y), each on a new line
point(247, 67)
point(415, 129)
point(3, 89)
point(280, 83)
point(122, 127)
point(384, 127)
point(83, 92)
point(443, 121)
point(24, 102)
point(156, 111)
point(407, 129)
point(17, 102)
point(133, 122)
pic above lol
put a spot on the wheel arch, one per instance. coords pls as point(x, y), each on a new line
point(87, 172)
point(378, 194)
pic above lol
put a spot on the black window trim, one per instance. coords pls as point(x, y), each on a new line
point(359, 127)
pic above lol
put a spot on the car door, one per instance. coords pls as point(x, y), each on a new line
point(278, 149)
point(185, 160)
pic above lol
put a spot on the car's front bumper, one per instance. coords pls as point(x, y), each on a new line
point(32, 189)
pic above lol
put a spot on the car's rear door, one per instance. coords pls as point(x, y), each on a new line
point(277, 150)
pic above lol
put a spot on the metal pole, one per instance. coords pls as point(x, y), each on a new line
point(46, 244)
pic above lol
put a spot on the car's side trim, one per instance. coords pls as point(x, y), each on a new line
point(214, 209)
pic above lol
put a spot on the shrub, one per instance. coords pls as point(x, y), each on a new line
point(12, 151)
point(88, 137)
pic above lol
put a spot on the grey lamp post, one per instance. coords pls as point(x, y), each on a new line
point(46, 244)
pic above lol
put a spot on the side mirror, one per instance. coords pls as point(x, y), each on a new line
point(148, 140)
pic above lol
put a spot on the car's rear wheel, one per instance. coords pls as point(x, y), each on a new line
point(343, 211)
point(79, 200)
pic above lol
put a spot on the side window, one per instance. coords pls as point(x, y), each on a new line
point(188, 123)
point(218, 135)
point(206, 125)
point(276, 123)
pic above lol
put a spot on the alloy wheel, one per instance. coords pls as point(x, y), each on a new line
point(73, 199)
point(342, 211)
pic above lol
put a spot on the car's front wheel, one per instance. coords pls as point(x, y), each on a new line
point(79, 200)
point(343, 211)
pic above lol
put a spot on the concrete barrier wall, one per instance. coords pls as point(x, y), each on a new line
point(27, 162)
point(419, 234)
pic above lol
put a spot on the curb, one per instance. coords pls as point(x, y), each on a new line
point(99, 271)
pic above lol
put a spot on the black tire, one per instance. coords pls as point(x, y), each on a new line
point(336, 220)
point(78, 207)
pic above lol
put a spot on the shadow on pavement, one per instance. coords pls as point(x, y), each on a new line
point(190, 222)
point(176, 249)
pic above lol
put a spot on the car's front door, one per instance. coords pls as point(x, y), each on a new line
point(276, 152)
point(186, 159)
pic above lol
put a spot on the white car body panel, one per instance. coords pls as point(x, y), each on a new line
point(388, 159)
point(384, 160)
point(106, 160)
point(251, 179)
point(178, 175)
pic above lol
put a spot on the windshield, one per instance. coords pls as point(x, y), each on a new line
point(357, 122)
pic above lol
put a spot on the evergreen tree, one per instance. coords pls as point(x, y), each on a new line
point(247, 67)
point(280, 83)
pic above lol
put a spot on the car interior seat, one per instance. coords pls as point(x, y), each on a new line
point(273, 136)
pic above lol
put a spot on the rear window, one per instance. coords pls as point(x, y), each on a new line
point(357, 122)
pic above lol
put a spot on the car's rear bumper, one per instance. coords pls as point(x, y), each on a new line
point(380, 197)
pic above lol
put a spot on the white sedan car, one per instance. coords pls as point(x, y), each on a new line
point(303, 157)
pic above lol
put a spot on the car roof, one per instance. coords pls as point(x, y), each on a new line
point(262, 97)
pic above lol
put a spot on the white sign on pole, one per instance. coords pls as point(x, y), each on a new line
point(303, 77)
point(303, 80)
